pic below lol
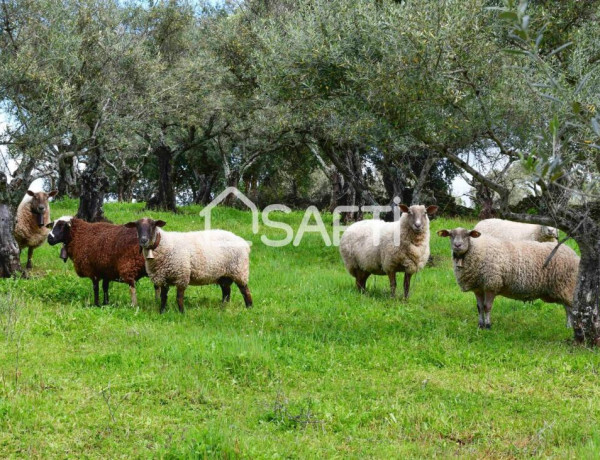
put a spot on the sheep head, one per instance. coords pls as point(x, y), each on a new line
point(460, 241)
point(148, 237)
point(39, 204)
point(60, 233)
point(417, 216)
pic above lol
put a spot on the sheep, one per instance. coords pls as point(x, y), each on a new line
point(33, 214)
point(374, 247)
point(489, 267)
point(100, 251)
point(517, 231)
point(197, 258)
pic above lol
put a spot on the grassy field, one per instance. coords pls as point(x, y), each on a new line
point(314, 370)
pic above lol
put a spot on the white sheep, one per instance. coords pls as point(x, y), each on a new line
point(374, 247)
point(33, 214)
point(489, 267)
point(517, 231)
point(197, 258)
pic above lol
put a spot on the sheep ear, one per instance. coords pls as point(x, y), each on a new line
point(431, 210)
point(52, 193)
point(474, 234)
point(403, 207)
point(443, 233)
point(30, 193)
point(131, 225)
point(50, 225)
point(160, 223)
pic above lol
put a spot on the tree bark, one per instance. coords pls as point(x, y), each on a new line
point(586, 320)
point(419, 190)
point(125, 182)
point(94, 185)
point(67, 178)
point(9, 249)
point(232, 179)
point(164, 199)
point(204, 185)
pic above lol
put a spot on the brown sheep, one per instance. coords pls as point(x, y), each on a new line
point(33, 214)
point(100, 251)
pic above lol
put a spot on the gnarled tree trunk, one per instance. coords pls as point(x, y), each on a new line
point(586, 318)
point(9, 249)
point(94, 184)
point(164, 199)
point(67, 176)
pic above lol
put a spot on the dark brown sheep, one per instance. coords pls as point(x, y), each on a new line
point(100, 251)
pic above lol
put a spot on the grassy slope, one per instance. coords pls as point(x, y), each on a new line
point(314, 370)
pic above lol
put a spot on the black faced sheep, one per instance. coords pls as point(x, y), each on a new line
point(100, 251)
point(196, 258)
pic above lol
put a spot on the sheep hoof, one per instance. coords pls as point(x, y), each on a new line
point(481, 326)
point(29, 265)
point(488, 326)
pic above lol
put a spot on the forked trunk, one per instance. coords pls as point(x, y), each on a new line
point(9, 250)
point(586, 321)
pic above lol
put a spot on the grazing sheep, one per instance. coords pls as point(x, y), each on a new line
point(33, 214)
point(374, 247)
point(100, 251)
point(196, 258)
point(490, 266)
point(517, 231)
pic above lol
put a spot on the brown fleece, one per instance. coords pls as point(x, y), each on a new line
point(105, 251)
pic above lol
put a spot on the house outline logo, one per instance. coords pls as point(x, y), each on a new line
point(207, 211)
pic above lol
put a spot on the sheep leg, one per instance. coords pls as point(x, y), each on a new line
point(133, 294)
point(164, 290)
point(392, 277)
point(29, 265)
point(105, 284)
point(489, 302)
point(407, 277)
point(361, 280)
point(96, 292)
point(569, 319)
point(156, 292)
point(245, 290)
point(225, 284)
point(180, 292)
point(480, 300)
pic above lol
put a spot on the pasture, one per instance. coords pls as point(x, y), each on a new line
point(314, 370)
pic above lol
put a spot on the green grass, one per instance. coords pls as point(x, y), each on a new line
point(314, 370)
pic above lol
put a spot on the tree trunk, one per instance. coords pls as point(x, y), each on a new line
point(586, 320)
point(94, 184)
point(232, 180)
point(9, 249)
point(484, 197)
point(67, 177)
point(337, 188)
point(164, 199)
point(419, 195)
point(125, 182)
point(204, 183)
